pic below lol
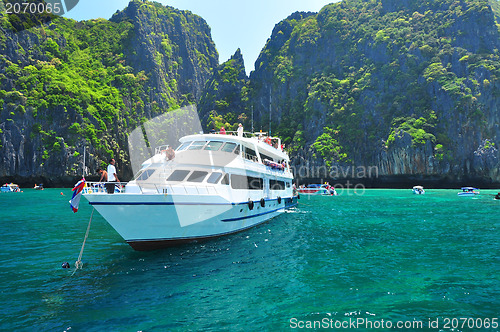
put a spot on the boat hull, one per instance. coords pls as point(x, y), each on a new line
point(314, 192)
point(165, 221)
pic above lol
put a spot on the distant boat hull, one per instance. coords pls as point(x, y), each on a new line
point(317, 191)
point(308, 191)
point(467, 194)
point(418, 190)
point(10, 188)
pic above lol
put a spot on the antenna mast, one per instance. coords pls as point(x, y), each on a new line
point(269, 111)
point(83, 168)
point(252, 118)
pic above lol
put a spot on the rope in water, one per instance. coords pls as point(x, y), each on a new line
point(78, 263)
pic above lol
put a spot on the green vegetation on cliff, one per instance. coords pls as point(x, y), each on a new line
point(68, 81)
point(410, 86)
point(369, 71)
point(225, 98)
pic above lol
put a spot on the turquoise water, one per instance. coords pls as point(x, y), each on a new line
point(386, 254)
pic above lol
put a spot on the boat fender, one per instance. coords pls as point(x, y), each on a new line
point(279, 200)
point(250, 205)
point(65, 265)
point(298, 196)
point(262, 202)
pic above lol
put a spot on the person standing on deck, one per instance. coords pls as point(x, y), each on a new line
point(112, 177)
point(240, 130)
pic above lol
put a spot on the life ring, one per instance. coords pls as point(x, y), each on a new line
point(250, 205)
point(279, 200)
point(262, 202)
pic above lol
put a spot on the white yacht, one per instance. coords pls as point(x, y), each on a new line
point(213, 185)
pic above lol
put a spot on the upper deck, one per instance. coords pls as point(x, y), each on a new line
point(268, 147)
point(233, 153)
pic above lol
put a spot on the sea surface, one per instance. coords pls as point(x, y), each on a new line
point(374, 257)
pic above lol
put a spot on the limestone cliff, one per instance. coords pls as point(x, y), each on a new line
point(68, 84)
point(225, 97)
point(407, 86)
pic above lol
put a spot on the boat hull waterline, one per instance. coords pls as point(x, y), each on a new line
point(166, 221)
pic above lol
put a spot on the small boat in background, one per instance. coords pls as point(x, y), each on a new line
point(497, 196)
point(418, 190)
point(10, 187)
point(317, 189)
point(38, 187)
point(468, 191)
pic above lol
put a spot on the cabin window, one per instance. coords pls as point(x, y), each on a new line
point(197, 176)
point(288, 184)
point(237, 150)
point(213, 146)
point(263, 157)
point(255, 183)
point(183, 146)
point(250, 154)
point(214, 177)
point(239, 182)
point(276, 185)
point(228, 147)
point(246, 182)
point(145, 175)
point(197, 145)
point(178, 175)
point(225, 179)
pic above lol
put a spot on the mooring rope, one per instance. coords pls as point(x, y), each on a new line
point(78, 263)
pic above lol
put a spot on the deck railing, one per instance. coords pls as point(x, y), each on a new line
point(150, 188)
point(102, 187)
point(161, 149)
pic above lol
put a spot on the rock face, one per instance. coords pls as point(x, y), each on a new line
point(170, 44)
point(408, 87)
point(71, 84)
point(225, 93)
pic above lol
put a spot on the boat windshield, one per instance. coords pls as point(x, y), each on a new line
point(213, 145)
point(197, 145)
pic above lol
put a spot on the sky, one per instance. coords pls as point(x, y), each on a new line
point(235, 24)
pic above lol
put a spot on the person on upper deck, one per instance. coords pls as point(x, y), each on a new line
point(170, 153)
point(222, 131)
point(240, 130)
